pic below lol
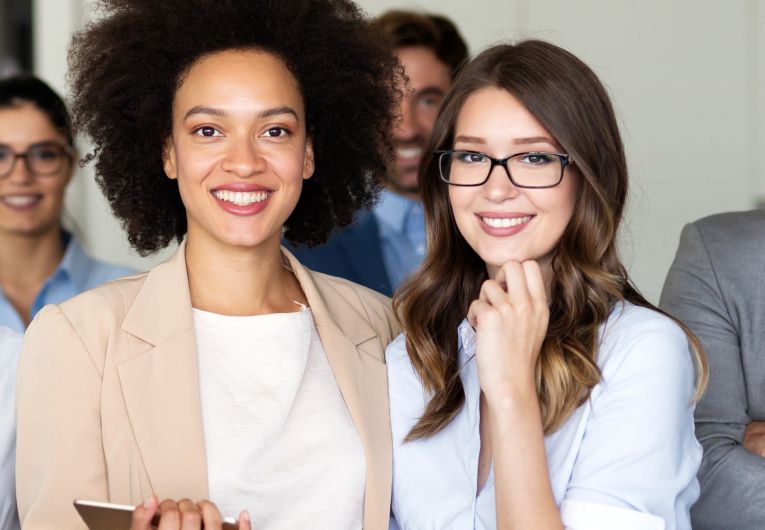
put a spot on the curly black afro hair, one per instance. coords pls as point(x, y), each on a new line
point(126, 67)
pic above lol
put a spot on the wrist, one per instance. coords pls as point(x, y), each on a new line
point(513, 395)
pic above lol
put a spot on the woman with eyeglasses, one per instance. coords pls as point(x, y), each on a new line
point(534, 387)
point(40, 261)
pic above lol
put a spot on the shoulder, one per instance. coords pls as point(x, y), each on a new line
point(114, 296)
point(731, 230)
point(637, 340)
point(376, 308)
point(89, 318)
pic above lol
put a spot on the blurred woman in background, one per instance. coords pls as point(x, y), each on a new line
point(40, 261)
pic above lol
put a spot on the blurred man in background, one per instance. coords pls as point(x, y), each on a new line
point(385, 245)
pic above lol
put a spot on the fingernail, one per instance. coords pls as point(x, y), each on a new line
point(148, 502)
point(246, 515)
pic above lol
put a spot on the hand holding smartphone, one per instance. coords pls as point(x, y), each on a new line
point(108, 516)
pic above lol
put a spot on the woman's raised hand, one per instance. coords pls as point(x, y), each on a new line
point(510, 318)
point(182, 515)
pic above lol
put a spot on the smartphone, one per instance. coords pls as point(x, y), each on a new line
point(108, 516)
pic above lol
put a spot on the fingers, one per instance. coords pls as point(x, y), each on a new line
point(210, 515)
point(143, 513)
point(244, 521)
point(535, 282)
point(477, 310)
point(191, 518)
point(181, 515)
point(522, 281)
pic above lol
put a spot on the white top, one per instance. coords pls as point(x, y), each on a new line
point(279, 439)
point(10, 347)
point(625, 459)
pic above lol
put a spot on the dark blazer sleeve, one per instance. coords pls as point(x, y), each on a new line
point(732, 479)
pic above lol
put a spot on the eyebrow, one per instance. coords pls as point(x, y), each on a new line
point(469, 139)
point(517, 141)
point(213, 111)
point(534, 140)
point(429, 91)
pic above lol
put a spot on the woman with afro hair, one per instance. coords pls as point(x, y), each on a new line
point(229, 380)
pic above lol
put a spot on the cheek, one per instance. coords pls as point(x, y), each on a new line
point(56, 188)
point(460, 201)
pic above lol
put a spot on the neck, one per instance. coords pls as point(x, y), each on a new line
point(240, 281)
point(27, 261)
point(404, 192)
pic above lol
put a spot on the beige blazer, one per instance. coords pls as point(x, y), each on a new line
point(108, 395)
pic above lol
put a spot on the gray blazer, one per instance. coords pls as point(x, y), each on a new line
point(716, 286)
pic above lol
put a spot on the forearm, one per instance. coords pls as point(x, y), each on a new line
point(524, 496)
point(732, 487)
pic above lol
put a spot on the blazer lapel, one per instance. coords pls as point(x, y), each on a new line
point(160, 383)
point(357, 359)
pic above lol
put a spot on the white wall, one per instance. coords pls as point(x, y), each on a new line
point(687, 78)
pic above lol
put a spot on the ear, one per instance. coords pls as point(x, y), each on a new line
point(309, 164)
point(169, 161)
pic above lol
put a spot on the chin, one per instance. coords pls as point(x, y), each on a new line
point(404, 183)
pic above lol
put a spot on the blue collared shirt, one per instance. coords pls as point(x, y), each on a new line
point(76, 273)
point(402, 235)
point(627, 458)
point(10, 347)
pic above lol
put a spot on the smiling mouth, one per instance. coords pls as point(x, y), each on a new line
point(241, 198)
point(21, 201)
point(506, 222)
point(409, 152)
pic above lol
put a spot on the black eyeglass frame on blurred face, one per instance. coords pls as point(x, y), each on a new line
point(449, 154)
point(37, 159)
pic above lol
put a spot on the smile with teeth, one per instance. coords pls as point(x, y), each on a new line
point(241, 198)
point(506, 222)
point(409, 152)
point(21, 200)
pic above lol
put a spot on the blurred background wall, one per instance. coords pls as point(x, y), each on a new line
point(687, 78)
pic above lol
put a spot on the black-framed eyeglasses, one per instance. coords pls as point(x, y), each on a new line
point(533, 169)
point(40, 160)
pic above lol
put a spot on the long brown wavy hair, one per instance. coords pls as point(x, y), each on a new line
point(588, 278)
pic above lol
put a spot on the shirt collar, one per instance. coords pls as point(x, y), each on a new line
point(466, 341)
point(394, 209)
point(75, 264)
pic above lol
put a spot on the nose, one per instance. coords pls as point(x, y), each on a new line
point(499, 187)
point(406, 127)
point(243, 159)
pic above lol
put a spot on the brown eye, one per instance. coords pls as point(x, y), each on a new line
point(276, 132)
point(207, 131)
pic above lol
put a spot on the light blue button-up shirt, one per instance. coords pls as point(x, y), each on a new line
point(626, 459)
point(76, 273)
point(10, 347)
point(402, 235)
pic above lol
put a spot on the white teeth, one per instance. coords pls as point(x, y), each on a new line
point(409, 152)
point(495, 222)
point(241, 198)
point(21, 200)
